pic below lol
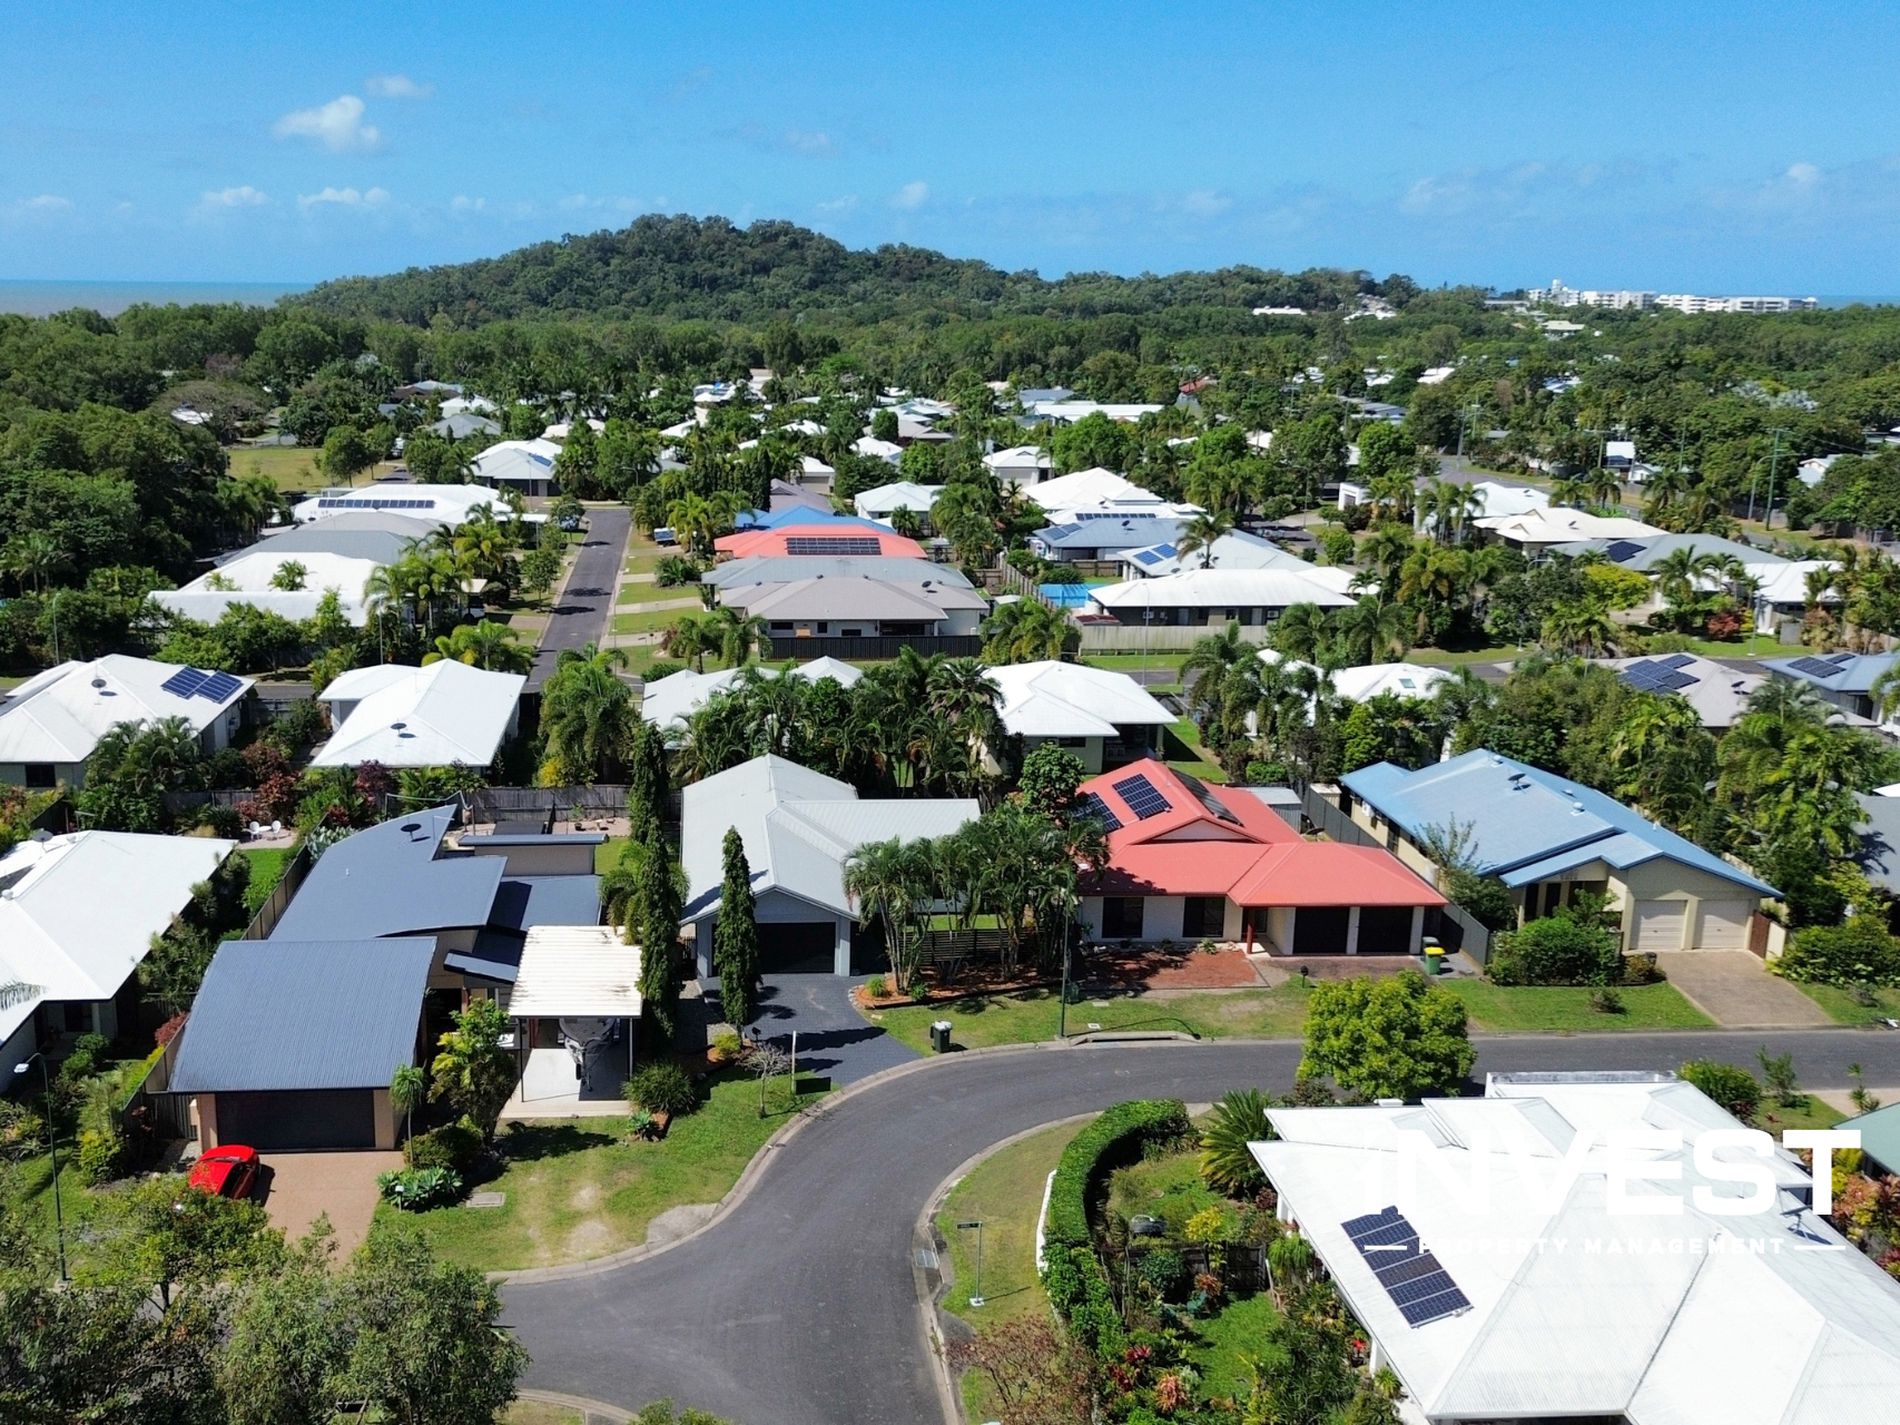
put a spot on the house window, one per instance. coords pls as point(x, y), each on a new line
point(824, 628)
point(39, 776)
point(1070, 741)
point(1203, 917)
point(1121, 917)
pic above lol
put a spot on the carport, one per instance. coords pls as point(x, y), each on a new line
point(576, 998)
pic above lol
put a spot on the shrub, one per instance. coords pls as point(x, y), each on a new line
point(661, 668)
point(414, 1189)
point(1556, 950)
point(22, 1131)
point(1606, 1001)
point(1640, 968)
point(874, 988)
point(92, 1045)
point(674, 570)
point(101, 1150)
point(1857, 951)
point(456, 1146)
point(725, 1048)
point(1162, 1269)
point(1734, 1089)
point(1483, 899)
point(1401, 1037)
point(76, 1066)
point(662, 1088)
point(1226, 1164)
point(218, 820)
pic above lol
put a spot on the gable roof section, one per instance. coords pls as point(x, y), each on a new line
point(669, 701)
point(1234, 550)
point(1119, 532)
point(438, 716)
point(1528, 824)
point(292, 1014)
point(1644, 554)
point(1211, 840)
point(60, 715)
point(804, 538)
point(789, 568)
point(851, 597)
point(1275, 588)
point(1054, 699)
point(389, 880)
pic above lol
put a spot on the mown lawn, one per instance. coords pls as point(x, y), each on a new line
point(1181, 749)
point(1811, 1114)
point(648, 620)
point(268, 864)
point(291, 467)
point(581, 1188)
point(1536, 1009)
point(1843, 1008)
point(1029, 1016)
point(636, 594)
point(607, 854)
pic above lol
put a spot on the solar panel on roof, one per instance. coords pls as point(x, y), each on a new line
point(1143, 799)
point(1207, 798)
point(1621, 549)
point(219, 686)
point(1677, 660)
point(1150, 556)
point(184, 682)
point(1418, 1285)
point(1092, 805)
point(831, 544)
point(1815, 667)
point(1673, 681)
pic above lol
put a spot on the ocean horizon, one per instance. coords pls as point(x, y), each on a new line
point(39, 297)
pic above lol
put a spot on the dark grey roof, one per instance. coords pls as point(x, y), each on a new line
point(388, 881)
point(309, 1014)
point(523, 901)
point(354, 534)
point(787, 569)
point(496, 956)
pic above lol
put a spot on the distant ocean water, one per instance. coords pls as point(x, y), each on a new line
point(32, 297)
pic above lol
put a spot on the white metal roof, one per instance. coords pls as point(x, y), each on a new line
point(438, 504)
point(1232, 588)
point(515, 460)
point(437, 716)
point(1552, 525)
point(59, 715)
point(576, 972)
point(669, 701)
point(1402, 680)
point(1234, 550)
point(78, 912)
point(1053, 699)
point(1094, 488)
point(1579, 1306)
point(882, 449)
point(898, 495)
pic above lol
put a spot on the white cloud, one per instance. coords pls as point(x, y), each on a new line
point(809, 141)
point(462, 203)
point(396, 86)
point(45, 203)
point(589, 202)
point(344, 198)
point(242, 196)
point(1206, 203)
point(337, 125)
point(1802, 175)
point(911, 196)
point(839, 205)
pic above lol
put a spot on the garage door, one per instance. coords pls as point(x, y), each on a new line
point(796, 949)
point(1320, 930)
point(1722, 925)
point(331, 1118)
point(1385, 930)
point(1659, 925)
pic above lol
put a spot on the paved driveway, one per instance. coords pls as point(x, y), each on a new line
point(800, 1307)
point(585, 611)
point(833, 1038)
point(300, 1186)
point(1735, 989)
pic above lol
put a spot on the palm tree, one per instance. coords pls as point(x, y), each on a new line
point(961, 692)
point(1385, 551)
point(408, 1087)
point(1301, 632)
point(736, 634)
point(882, 878)
point(620, 885)
point(1582, 627)
point(14, 992)
point(1026, 630)
point(1433, 575)
point(1227, 1163)
point(35, 555)
point(586, 715)
point(1209, 660)
point(690, 636)
point(1604, 487)
point(1200, 534)
point(1370, 632)
point(493, 646)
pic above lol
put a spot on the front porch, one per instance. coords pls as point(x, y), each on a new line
point(554, 1086)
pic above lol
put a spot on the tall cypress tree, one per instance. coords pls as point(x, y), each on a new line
point(736, 936)
point(659, 904)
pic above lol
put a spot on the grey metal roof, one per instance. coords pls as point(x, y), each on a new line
point(1879, 854)
point(313, 1014)
point(388, 880)
point(787, 569)
point(523, 901)
point(353, 534)
point(850, 598)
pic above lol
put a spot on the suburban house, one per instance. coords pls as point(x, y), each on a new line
point(1782, 598)
point(886, 500)
point(1105, 718)
point(1233, 550)
point(1103, 536)
point(1717, 692)
point(50, 724)
point(1494, 500)
point(526, 466)
point(804, 515)
point(444, 714)
point(1065, 413)
point(258, 579)
point(1214, 598)
point(889, 451)
point(1098, 492)
point(1371, 680)
point(855, 606)
point(1646, 555)
point(1189, 861)
point(800, 829)
point(1544, 527)
point(787, 497)
point(1844, 679)
point(77, 917)
point(376, 535)
point(790, 568)
point(1490, 1248)
point(1019, 465)
point(464, 425)
point(318, 1075)
point(1879, 854)
point(808, 538)
point(438, 504)
point(668, 702)
point(1548, 839)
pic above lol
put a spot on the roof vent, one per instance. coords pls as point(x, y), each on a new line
point(98, 682)
point(412, 827)
point(399, 726)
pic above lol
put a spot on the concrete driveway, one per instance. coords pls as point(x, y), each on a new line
point(1736, 990)
point(833, 1038)
point(299, 1187)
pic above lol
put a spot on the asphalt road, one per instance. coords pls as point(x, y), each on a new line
point(799, 1308)
point(586, 609)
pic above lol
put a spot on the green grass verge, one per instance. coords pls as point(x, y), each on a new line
point(1537, 1009)
point(1229, 1344)
point(291, 467)
point(1029, 1016)
point(1812, 1114)
point(539, 1412)
point(1842, 1007)
point(581, 1188)
point(649, 620)
point(636, 594)
point(268, 864)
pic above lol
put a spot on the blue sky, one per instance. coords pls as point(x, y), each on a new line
point(1699, 146)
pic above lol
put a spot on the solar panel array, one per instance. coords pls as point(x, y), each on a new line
point(831, 544)
point(1821, 667)
point(1092, 805)
point(1207, 799)
point(1654, 675)
point(1419, 1286)
point(1142, 796)
point(1622, 549)
point(371, 502)
point(191, 683)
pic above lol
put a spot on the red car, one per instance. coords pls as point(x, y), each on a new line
point(230, 1171)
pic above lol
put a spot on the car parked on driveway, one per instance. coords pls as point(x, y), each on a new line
point(230, 1171)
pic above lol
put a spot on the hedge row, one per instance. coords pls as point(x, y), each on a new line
point(1072, 1273)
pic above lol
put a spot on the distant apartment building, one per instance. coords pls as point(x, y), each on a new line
point(1626, 299)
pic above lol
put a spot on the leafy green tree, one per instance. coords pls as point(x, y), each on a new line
point(1303, 1376)
point(287, 1342)
point(1050, 775)
point(347, 453)
point(736, 936)
point(1733, 1089)
point(471, 1069)
point(1561, 949)
point(659, 906)
point(1396, 1037)
point(587, 717)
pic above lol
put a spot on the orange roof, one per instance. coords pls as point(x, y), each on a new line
point(1213, 841)
point(749, 542)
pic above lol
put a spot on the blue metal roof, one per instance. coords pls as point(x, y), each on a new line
point(1526, 824)
point(388, 880)
point(276, 1015)
point(1852, 672)
point(524, 901)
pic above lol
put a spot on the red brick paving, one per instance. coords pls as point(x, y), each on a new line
point(1183, 969)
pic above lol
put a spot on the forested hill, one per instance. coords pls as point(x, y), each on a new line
point(709, 268)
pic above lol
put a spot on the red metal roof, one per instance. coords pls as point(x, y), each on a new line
point(749, 542)
point(1255, 859)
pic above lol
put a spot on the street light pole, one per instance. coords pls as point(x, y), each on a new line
point(52, 1143)
point(976, 1298)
